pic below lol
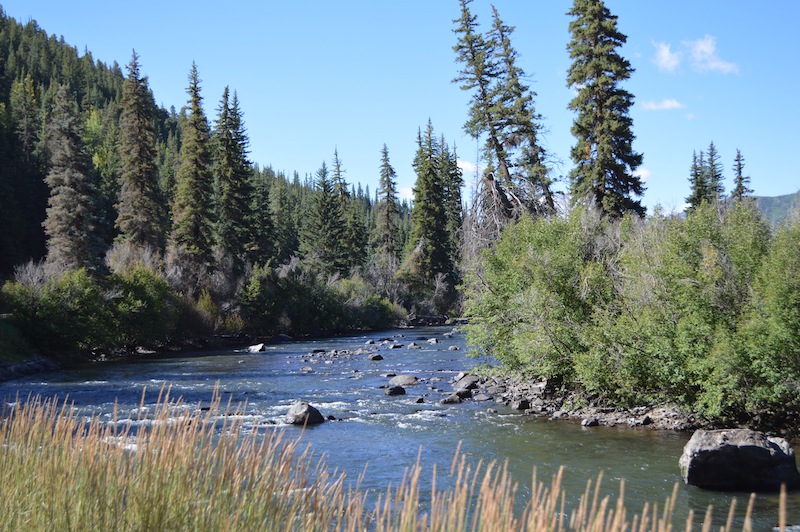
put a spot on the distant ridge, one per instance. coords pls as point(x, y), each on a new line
point(778, 208)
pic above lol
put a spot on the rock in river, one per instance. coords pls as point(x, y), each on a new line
point(403, 380)
point(395, 390)
point(302, 413)
point(738, 460)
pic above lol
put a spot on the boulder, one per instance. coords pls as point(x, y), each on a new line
point(375, 356)
point(453, 348)
point(452, 399)
point(738, 460)
point(403, 380)
point(258, 348)
point(395, 390)
point(433, 341)
point(467, 382)
point(413, 345)
point(302, 413)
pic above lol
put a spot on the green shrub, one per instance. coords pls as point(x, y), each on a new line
point(145, 307)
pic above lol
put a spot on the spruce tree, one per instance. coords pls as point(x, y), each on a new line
point(323, 232)
point(282, 210)
point(698, 182)
point(520, 124)
point(71, 224)
point(452, 181)
point(191, 228)
point(714, 177)
point(261, 247)
point(603, 129)
point(388, 211)
point(428, 218)
point(232, 173)
point(741, 183)
point(140, 209)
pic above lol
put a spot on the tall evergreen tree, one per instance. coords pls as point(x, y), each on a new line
point(324, 230)
point(388, 211)
point(520, 124)
point(714, 177)
point(232, 173)
point(191, 228)
point(603, 153)
point(282, 209)
point(741, 182)
point(698, 182)
point(428, 218)
point(71, 225)
point(452, 181)
point(140, 208)
point(261, 247)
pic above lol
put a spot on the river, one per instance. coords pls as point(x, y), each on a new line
point(384, 435)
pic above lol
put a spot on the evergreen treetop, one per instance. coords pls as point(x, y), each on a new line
point(603, 153)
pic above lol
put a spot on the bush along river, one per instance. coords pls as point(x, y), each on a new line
point(368, 430)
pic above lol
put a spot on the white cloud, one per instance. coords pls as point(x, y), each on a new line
point(467, 167)
point(705, 59)
point(643, 174)
point(666, 60)
point(406, 193)
point(666, 104)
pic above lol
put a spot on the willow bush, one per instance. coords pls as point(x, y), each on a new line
point(700, 311)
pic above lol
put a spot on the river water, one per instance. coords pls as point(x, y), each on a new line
point(382, 436)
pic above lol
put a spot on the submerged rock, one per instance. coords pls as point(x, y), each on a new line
point(738, 460)
point(302, 413)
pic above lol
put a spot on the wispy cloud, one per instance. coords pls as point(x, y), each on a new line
point(705, 58)
point(666, 60)
point(643, 174)
point(702, 55)
point(467, 167)
point(667, 104)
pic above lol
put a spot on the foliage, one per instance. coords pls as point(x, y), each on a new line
point(140, 217)
point(66, 312)
point(145, 307)
point(699, 310)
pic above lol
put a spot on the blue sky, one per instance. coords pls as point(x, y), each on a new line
point(315, 76)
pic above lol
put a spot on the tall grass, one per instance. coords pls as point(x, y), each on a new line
point(180, 468)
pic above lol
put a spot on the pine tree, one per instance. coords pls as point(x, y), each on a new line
point(698, 182)
point(282, 208)
point(323, 232)
point(741, 183)
point(388, 211)
point(261, 247)
point(520, 124)
point(191, 228)
point(71, 225)
point(603, 153)
point(140, 209)
point(714, 174)
point(232, 173)
point(428, 218)
point(452, 181)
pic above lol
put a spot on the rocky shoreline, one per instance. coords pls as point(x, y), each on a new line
point(539, 398)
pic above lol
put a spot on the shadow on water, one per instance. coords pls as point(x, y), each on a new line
point(386, 435)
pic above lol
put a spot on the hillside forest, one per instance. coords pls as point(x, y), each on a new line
point(125, 225)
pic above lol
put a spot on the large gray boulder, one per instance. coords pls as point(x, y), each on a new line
point(738, 460)
point(302, 413)
point(403, 380)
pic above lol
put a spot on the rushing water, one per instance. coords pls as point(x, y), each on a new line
point(383, 436)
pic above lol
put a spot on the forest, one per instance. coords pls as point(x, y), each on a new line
point(125, 224)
